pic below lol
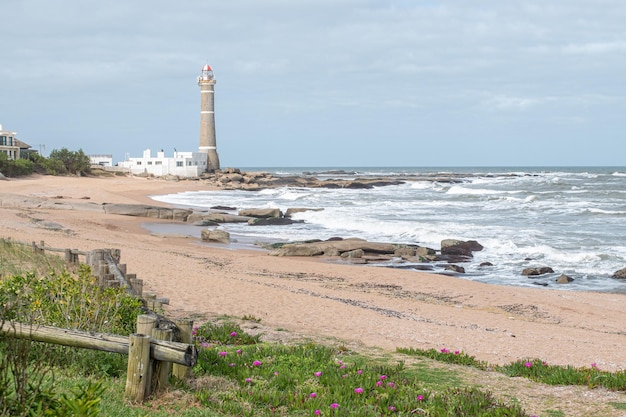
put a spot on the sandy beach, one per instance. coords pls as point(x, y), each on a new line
point(359, 305)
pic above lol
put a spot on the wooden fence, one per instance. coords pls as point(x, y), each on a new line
point(160, 348)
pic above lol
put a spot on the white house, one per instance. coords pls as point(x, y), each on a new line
point(102, 160)
point(183, 164)
point(10, 145)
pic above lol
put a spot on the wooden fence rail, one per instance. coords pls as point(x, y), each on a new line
point(162, 350)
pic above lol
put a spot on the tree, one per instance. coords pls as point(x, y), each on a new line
point(74, 162)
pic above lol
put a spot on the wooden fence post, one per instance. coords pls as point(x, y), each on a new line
point(185, 328)
point(161, 369)
point(139, 367)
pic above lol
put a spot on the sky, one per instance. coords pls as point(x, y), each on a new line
point(325, 83)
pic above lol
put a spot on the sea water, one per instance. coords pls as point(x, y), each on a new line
point(570, 219)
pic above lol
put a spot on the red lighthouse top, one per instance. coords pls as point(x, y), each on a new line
point(207, 73)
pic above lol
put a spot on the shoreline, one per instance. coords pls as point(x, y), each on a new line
point(375, 307)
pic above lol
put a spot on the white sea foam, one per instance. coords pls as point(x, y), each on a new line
point(571, 220)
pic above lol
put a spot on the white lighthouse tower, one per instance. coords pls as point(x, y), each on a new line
point(208, 145)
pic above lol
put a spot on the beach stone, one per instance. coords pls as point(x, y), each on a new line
point(404, 252)
point(217, 235)
point(271, 221)
point(564, 279)
point(537, 271)
point(357, 253)
point(483, 264)
point(291, 211)
point(459, 247)
point(455, 268)
point(262, 213)
point(216, 217)
point(424, 252)
point(298, 250)
point(621, 274)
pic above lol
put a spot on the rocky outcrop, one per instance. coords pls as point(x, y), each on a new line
point(460, 248)
point(334, 246)
point(455, 268)
point(216, 235)
point(141, 210)
point(262, 213)
point(216, 217)
point(621, 274)
point(537, 271)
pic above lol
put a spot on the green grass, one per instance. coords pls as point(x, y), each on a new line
point(533, 369)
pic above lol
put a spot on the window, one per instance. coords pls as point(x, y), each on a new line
point(158, 162)
point(179, 163)
point(138, 162)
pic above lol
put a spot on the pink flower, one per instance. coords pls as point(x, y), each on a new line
point(344, 375)
point(318, 412)
point(257, 363)
point(383, 377)
point(595, 366)
point(342, 367)
point(232, 365)
point(238, 351)
point(248, 379)
point(391, 384)
point(358, 390)
point(318, 374)
point(194, 331)
point(379, 383)
point(456, 352)
point(223, 353)
point(528, 364)
point(312, 395)
point(334, 405)
point(420, 398)
point(359, 372)
point(444, 350)
point(204, 345)
point(233, 334)
point(391, 408)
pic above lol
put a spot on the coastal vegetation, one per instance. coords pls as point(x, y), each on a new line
point(60, 162)
point(238, 374)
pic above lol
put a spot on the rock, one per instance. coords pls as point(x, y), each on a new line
point(291, 211)
point(141, 210)
point(486, 264)
point(455, 268)
point(205, 223)
point(621, 274)
point(298, 250)
point(537, 271)
point(543, 284)
point(271, 221)
point(459, 247)
point(261, 213)
point(217, 235)
point(424, 252)
point(224, 208)
point(564, 279)
point(216, 217)
point(357, 253)
point(336, 246)
point(404, 252)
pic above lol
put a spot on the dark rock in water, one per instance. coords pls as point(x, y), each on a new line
point(543, 284)
point(226, 208)
point(261, 212)
point(455, 268)
point(621, 274)
point(537, 271)
point(459, 247)
point(272, 221)
point(564, 279)
point(486, 264)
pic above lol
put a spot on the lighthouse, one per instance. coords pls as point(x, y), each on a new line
point(206, 81)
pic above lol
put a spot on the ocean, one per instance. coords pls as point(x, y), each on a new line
point(570, 219)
